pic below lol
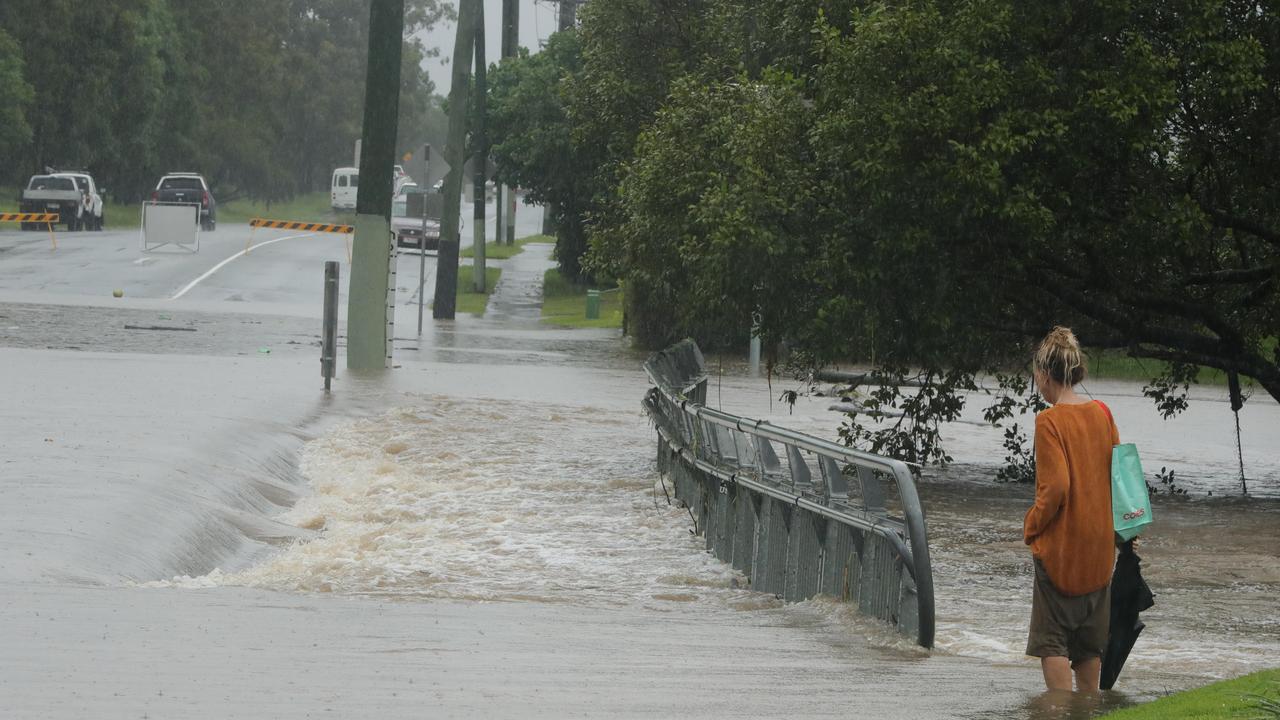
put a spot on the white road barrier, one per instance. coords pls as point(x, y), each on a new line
point(170, 224)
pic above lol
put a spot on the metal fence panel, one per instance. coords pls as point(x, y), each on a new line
point(813, 520)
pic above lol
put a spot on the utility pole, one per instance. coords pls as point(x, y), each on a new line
point(510, 48)
point(370, 306)
point(479, 158)
point(447, 256)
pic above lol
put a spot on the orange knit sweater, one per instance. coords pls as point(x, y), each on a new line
point(1070, 527)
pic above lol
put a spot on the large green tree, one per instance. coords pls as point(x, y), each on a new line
point(261, 96)
point(15, 131)
point(721, 204)
point(978, 170)
point(1108, 165)
point(533, 140)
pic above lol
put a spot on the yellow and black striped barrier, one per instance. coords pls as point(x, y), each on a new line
point(303, 226)
point(345, 230)
point(47, 219)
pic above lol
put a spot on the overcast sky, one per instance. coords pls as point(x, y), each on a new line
point(537, 22)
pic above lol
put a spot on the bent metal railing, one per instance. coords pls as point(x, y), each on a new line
point(811, 519)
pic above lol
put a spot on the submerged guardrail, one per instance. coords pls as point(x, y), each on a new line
point(811, 519)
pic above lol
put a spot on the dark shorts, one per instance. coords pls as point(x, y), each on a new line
point(1073, 627)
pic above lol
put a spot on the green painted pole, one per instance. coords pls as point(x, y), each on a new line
point(369, 312)
point(479, 159)
point(447, 261)
point(499, 192)
point(506, 230)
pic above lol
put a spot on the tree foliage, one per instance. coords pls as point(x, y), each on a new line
point(1099, 166)
point(930, 185)
point(934, 183)
point(532, 139)
point(14, 130)
point(262, 96)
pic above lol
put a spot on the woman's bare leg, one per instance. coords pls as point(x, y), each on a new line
point(1057, 673)
point(1087, 672)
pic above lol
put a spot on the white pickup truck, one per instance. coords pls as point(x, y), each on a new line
point(92, 216)
point(73, 196)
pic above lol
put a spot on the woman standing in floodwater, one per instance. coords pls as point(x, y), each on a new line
point(1069, 528)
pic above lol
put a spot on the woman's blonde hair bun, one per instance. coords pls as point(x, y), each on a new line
point(1059, 357)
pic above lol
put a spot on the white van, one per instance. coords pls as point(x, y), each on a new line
point(343, 188)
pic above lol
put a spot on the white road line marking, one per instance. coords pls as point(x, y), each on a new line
point(219, 266)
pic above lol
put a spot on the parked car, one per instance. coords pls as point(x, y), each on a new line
point(53, 193)
point(343, 188)
point(190, 188)
point(411, 231)
point(91, 212)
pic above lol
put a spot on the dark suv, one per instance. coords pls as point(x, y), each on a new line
point(189, 188)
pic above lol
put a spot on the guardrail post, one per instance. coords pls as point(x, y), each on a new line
point(721, 540)
point(801, 478)
point(834, 483)
point(872, 493)
point(329, 334)
point(746, 507)
point(726, 444)
point(769, 463)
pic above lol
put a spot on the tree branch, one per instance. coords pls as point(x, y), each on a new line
point(1230, 222)
point(1240, 276)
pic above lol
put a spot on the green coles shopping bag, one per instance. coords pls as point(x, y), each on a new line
point(1130, 504)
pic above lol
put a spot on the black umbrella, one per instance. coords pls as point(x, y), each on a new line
point(1130, 595)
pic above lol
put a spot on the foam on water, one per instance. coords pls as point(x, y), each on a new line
point(491, 500)
point(525, 501)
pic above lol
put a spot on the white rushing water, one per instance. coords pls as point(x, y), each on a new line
point(491, 500)
point(497, 500)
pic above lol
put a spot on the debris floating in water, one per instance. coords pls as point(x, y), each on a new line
point(158, 327)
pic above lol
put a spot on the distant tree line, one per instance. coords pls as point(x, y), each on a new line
point(264, 97)
point(926, 184)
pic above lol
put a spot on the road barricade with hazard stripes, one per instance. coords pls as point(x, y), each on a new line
point(346, 230)
point(303, 226)
point(29, 217)
point(46, 219)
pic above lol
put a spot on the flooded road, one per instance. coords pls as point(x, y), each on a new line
point(190, 528)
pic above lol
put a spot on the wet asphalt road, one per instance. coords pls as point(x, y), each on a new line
point(247, 291)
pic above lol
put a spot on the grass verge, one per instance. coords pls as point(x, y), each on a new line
point(565, 303)
point(1242, 697)
point(308, 207)
point(494, 251)
point(474, 302)
point(1118, 365)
